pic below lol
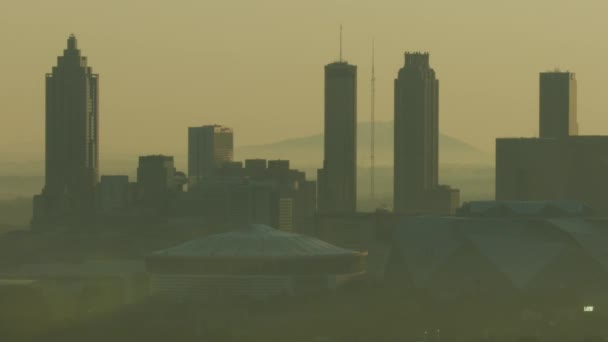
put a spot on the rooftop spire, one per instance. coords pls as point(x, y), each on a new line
point(72, 43)
point(341, 60)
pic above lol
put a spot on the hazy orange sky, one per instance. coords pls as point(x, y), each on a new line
point(257, 66)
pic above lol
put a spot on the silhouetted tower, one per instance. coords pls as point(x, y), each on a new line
point(337, 179)
point(557, 105)
point(209, 147)
point(416, 136)
point(72, 135)
point(373, 128)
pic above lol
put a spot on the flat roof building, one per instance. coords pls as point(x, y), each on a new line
point(208, 148)
point(558, 105)
point(568, 168)
point(337, 179)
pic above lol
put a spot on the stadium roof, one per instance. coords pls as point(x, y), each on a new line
point(256, 241)
point(519, 248)
point(555, 208)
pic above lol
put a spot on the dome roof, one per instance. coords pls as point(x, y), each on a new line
point(255, 241)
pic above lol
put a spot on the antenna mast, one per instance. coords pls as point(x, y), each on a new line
point(373, 125)
point(340, 42)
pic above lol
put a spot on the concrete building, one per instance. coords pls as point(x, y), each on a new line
point(293, 198)
point(338, 178)
point(568, 168)
point(231, 202)
point(72, 140)
point(416, 153)
point(232, 169)
point(114, 195)
point(560, 165)
point(558, 105)
point(286, 214)
point(208, 148)
point(254, 261)
point(255, 168)
point(156, 181)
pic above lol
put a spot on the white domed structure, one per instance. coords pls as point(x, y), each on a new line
point(255, 261)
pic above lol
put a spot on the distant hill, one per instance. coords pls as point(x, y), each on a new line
point(308, 151)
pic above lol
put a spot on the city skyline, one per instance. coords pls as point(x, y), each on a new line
point(224, 174)
point(123, 63)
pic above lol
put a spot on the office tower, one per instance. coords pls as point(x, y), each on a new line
point(337, 179)
point(540, 169)
point(559, 165)
point(208, 148)
point(558, 116)
point(255, 168)
point(114, 195)
point(233, 169)
point(416, 159)
point(72, 138)
point(156, 182)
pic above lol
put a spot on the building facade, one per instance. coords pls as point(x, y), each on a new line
point(72, 139)
point(156, 181)
point(208, 148)
point(416, 139)
point(560, 165)
point(337, 179)
point(113, 194)
point(538, 169)
point(558, 105)
point(260, 191)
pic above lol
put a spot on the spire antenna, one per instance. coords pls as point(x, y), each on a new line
point(341, 43)
point(373, 125)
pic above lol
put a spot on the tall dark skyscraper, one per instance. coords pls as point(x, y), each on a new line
point(72, 136)
point(416, 162)
point(337, 179)
point(208, 148)
point(558, 117)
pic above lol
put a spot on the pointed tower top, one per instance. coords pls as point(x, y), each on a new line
point(72, 42)
point(341, 60)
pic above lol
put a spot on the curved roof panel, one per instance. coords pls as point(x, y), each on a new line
point(256, 241)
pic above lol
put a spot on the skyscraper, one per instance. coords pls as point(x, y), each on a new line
point(208, 148)
point(416, 159)
point(156, 182)
point(72, 136)
point(558, 117)
point(337, 179)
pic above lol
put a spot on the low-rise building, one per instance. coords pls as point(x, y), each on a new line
point(255, 261)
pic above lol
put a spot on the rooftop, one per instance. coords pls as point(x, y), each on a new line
point(256, 241)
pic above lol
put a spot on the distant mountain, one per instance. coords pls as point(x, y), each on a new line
point(308, 151)
point(304, 153)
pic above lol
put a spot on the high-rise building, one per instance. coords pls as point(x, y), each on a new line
point(416, 138)
point(558, 117)
point(338, 178)
point(72, 138)
point(560, 164)
point(113, 194)
point(156, 182)
point(208, 148)
point(563, 169)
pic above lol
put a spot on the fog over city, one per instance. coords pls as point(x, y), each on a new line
point(317, 171)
